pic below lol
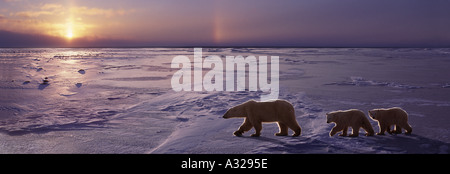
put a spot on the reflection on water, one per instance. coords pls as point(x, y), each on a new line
point(54, 87)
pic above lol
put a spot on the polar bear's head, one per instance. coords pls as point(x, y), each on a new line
point(330, 117)
point(237, 111)
point(373, 114)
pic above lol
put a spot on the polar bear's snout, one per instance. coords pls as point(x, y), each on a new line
point(226, 115)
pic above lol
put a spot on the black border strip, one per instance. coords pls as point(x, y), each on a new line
point(300, 163)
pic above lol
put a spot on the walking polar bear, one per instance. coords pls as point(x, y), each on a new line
point(349, 118)
point(255, 113)
point(391, 116)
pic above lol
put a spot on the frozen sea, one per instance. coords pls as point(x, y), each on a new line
point(120, 100)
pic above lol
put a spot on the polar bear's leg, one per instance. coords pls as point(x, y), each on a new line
point(388, 129)
point(335, 130)
point(246, 126)
point(407, 128)
point(382, 129)
point(297, 130)
point(355, 131)
point(344, 131)
point(283, 129)
point(295, 127)
point(397, 129)
point(258, 128)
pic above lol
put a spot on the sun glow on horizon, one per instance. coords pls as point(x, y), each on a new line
point(66, 21)
point(69, 29)
point(69, 34)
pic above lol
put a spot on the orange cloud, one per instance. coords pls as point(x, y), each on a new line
point(29, 14)
point(58, 9)
point(51, 6)
point(46, 9)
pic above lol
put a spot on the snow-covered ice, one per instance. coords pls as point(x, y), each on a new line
point(119, 100)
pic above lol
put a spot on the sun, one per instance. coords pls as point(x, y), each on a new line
point(69, 34)
point(73, 28)
point(69, 30)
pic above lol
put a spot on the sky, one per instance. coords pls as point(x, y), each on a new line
point(296, 23)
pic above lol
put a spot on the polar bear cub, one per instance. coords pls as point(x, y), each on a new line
point(255, 113)
point(391, 116)
point(349, 118)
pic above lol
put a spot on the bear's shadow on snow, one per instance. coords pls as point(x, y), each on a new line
point(299, 145)
point(411, 144)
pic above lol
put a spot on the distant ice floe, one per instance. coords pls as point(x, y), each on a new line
point(360, 81)
point(421, 102)
point(446, 85)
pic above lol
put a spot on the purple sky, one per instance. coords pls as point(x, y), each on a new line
point(312, 23)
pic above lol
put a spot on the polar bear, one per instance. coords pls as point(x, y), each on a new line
point(349, 118)
point(391, 116)
point(255, 113)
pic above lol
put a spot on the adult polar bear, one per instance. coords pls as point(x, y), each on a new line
point(255, 113)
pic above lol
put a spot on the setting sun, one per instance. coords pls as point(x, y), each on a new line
point(69, 34)
point(69, 29)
